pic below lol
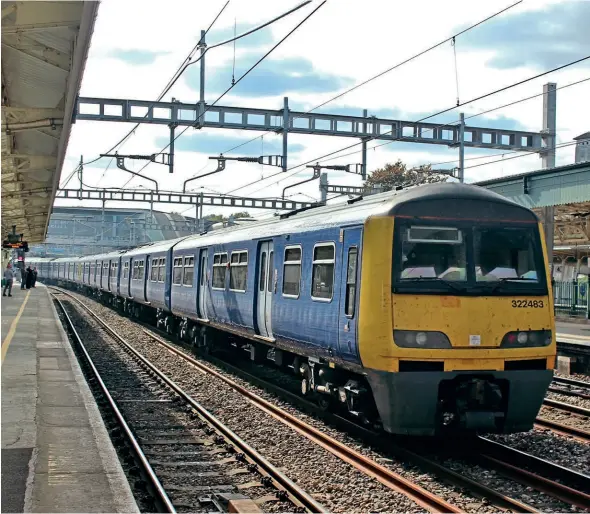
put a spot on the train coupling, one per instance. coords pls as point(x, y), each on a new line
point(473, 403)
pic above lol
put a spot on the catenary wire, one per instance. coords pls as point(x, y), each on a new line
point(167, 88)
point(232, 86)
point(372, 138)
point(384, 72)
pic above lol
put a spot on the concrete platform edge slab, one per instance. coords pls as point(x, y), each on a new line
point(122, 495)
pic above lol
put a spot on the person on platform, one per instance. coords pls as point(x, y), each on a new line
point(23, 278)
point(34, 277)
point(29, 279)
point(8, 278)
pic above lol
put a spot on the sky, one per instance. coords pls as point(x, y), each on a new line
point(135, 50)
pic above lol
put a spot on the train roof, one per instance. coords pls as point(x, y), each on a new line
point(353, 212)
point(350, 213)
point(158, 246)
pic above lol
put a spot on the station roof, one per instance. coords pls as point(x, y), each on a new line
point(561, 185)
point(567, 188)
point(44, 50)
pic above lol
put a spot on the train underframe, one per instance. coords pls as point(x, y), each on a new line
point(417, 402)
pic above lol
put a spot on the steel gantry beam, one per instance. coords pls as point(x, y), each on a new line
point(244, 118)
point(180, 198)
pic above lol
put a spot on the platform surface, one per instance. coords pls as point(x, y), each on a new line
point(56, 453)
point(573, 333)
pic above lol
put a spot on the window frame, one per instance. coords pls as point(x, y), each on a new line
point(239, 264)
point(185, 266)
point(126, 269)
point(162, 269)
point(155, 268)
point(177, 262)
point(323, 261)
point(220, 264)
point(355, 282)
point(292, 263)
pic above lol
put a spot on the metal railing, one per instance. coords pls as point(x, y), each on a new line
point(571, 298)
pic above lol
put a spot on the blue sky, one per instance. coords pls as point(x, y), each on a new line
point(333, 51)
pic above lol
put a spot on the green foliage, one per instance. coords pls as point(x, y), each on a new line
point(398, 174)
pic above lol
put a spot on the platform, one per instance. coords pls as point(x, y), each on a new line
point(56, 453)
point(573, 333)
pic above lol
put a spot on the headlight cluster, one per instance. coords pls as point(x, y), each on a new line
point(527, 339)
point(420, 339)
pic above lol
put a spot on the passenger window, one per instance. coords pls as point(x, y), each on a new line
point(177, 271)
point(203, 269)
point(322, 285)
point(262, 271)
point(270, 270)
point(189, 271)
point(292, 272)
point(154, 270)
point(219, 267)
point(238, 271)
point(351, 282)
point(161, 270)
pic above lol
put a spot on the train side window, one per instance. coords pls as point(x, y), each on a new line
point(162, 270)
point(262, 271)
point(140, 269)
point(126, 269)
point(350, 299)
point(219, 270)
point(154, 270)
point(292, 272)
point(271, 272)
point(177, 271)
point(322, 284)
point(189, 271)
point(238, 271)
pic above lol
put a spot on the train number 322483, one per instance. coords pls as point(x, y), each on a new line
point(521, 304)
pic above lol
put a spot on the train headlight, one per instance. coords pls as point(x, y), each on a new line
point(527, 339)
point(420, 339)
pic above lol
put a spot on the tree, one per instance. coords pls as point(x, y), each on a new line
point(216, 218)
point(398, 174)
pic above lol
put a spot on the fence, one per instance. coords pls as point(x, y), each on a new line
point(571, 298)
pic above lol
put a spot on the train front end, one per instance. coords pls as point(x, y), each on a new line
point(462, 337)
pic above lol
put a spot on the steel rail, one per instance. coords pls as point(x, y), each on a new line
point(569, 392)
point(572, 382)
point(376, 439)
point(498, 499)
point(394, 481)
point(560, 428)
point(510, 461)
point(385, 444)
point(295, 493)
point(568, 407)
point(156, 486)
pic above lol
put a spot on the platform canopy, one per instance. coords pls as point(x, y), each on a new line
point(44, 50)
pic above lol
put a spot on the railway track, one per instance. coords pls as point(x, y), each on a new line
point(570, 387)
point(169, 431)
point(508, 462)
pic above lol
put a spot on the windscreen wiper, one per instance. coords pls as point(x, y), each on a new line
point(439, 279)
point(511, 279)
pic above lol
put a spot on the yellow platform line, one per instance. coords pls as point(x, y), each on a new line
point(573, 336)
point(12, 331)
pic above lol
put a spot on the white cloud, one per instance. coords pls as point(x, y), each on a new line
point(345, 38)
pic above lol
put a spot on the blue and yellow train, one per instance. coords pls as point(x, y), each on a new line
point(426, 310)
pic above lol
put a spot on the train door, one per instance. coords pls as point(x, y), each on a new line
point(349, 281)
point(146, 273)
point(203, 284)
point(266, 282)
point(110, 273)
